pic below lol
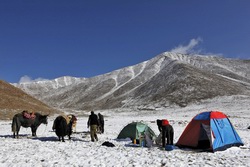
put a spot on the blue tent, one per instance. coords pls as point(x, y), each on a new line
point(211, 131)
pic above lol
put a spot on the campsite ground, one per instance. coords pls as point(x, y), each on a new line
point(45, 150)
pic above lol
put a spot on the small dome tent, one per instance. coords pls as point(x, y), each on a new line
point(210, 131)
point(134, 129)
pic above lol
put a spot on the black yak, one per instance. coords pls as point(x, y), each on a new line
point(63, 126)
point(22, 119)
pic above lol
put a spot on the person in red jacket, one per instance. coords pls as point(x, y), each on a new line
point(167, 132)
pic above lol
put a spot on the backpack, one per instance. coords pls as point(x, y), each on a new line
point(108, 144)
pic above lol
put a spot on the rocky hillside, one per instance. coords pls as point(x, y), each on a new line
point(14, 100)
point(168, 79)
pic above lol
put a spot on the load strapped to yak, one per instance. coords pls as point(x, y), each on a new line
point(136, 131)
point(210, 131)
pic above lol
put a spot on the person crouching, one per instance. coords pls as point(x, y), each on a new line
point(167, 132)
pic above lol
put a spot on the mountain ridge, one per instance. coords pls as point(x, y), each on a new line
point(167, 79)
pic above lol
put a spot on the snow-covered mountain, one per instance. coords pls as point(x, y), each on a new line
point(165, 80)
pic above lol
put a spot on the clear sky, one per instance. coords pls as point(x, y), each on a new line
point(84, 38)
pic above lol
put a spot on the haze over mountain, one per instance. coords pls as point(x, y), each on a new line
point(167, 79)
point(14, 100)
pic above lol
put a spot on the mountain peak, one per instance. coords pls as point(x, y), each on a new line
point(167, 79)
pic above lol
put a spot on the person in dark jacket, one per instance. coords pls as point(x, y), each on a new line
point(93, 124)
point(101, 123)
point(167, 132)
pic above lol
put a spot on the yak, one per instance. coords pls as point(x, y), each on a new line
point(63, 126)
point(34, 120)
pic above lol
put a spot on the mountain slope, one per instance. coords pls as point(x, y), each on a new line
point(14, 100)
point(162, 81)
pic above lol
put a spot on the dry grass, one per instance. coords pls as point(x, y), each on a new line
point(14, 100)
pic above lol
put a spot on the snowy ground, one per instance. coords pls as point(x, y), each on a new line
point(45, 150)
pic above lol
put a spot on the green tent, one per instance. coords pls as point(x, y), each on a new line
point(134, 130)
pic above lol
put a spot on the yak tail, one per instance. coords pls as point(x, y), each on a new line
point(64, 126)
point(14, 124)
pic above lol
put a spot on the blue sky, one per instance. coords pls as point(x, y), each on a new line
point(46, 39)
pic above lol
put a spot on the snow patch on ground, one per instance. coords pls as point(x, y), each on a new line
point(45, 150)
